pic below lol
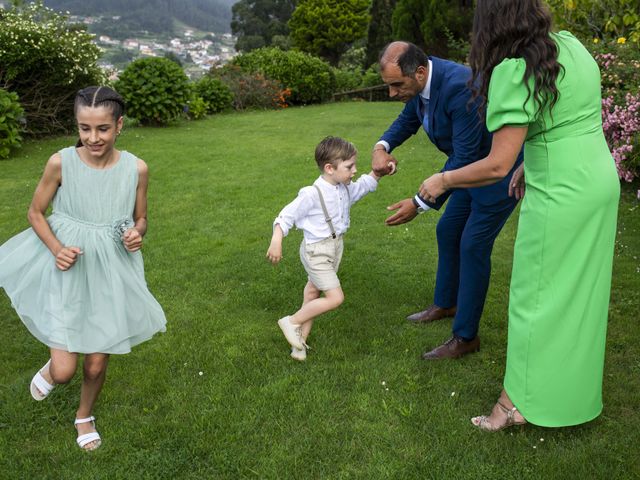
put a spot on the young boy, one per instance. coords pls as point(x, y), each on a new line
point(322, 212)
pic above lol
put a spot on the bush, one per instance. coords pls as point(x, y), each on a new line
point(621, 124)
point(620, 69)
point(46, 61)
point(371, 77)
point(156, 90)
point(347, 79)
point(196, 107)
point(619, 66)
point(11, 116)
point(251, 90)
point(602, 19)
point(309, 79)
point(215, 93)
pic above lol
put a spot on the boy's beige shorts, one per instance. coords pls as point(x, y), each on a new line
point(321, 261)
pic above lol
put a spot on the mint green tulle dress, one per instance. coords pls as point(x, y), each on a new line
point(102, 303)
point(563, 255)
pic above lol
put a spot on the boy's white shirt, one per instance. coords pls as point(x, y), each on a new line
point(305, 212)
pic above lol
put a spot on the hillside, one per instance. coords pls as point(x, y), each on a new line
point(155, 16)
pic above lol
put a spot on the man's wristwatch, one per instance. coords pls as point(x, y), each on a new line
point(419, 209)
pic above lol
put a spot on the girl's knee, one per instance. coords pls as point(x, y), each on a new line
point(94, 368)
point(62, 373)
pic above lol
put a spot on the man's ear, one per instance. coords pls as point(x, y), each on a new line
point(328, 168)
point(421, 73)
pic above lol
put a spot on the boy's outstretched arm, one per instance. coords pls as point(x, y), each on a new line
point(274, 254)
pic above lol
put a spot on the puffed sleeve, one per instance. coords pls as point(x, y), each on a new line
point(507, 95)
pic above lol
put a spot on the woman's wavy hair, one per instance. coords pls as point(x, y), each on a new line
point(514, 29)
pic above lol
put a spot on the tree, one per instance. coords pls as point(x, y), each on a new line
point(434, 25)
point(380, 30)
point(328, 27)
point(257, 22)
point(602, 19)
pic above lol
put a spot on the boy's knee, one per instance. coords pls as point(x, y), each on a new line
point(311, 291)
point(336, 297)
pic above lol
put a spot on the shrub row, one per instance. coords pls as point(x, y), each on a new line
point(157, 90)
point(11, 122)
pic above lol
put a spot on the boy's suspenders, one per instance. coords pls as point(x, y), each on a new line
point(327, 218)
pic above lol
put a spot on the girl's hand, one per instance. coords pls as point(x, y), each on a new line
point(516, 184)
point(67, 257)
point(433, 187)
point(132, 240)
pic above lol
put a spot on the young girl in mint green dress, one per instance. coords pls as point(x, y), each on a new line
point(76, 278)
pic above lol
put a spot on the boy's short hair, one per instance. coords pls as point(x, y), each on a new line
point(334, 150)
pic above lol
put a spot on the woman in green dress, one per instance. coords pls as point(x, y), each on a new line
point(543, 89)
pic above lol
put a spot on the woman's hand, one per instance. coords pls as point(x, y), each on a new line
point(433, 187)
point(516, 184)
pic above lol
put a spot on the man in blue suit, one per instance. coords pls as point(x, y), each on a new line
point(437, 100)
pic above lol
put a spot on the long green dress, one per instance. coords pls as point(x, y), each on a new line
point(561, 278)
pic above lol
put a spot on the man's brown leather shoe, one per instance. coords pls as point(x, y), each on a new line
point(432, 313)
point(455, 347)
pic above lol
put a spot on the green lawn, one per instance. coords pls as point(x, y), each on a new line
point(217, 395)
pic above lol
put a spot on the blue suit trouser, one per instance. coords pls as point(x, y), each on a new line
point(466, 233)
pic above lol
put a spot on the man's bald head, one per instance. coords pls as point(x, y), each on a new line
point(407, 56)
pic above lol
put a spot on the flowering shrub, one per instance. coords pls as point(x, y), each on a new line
point(621, 124)
point(155, 89)
point(620, 69)
point(10, 122)
point(251, 90)
point(619, 66)
point(309, 78)
point(45, 61)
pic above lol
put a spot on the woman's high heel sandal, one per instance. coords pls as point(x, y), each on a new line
point(483, 423)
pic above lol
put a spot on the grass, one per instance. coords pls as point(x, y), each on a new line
point(217, 395)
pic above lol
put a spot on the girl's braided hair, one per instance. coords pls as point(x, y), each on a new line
point(99, 97)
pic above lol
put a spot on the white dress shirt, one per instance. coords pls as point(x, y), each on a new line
point(305, 212)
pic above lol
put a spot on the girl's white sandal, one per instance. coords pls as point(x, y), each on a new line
point(39, 387)
point(88, 437)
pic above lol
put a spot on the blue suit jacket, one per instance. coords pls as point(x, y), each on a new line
point(454, 128)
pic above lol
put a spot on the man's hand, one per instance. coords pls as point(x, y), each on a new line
point(382, 163)
point(406, 211)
